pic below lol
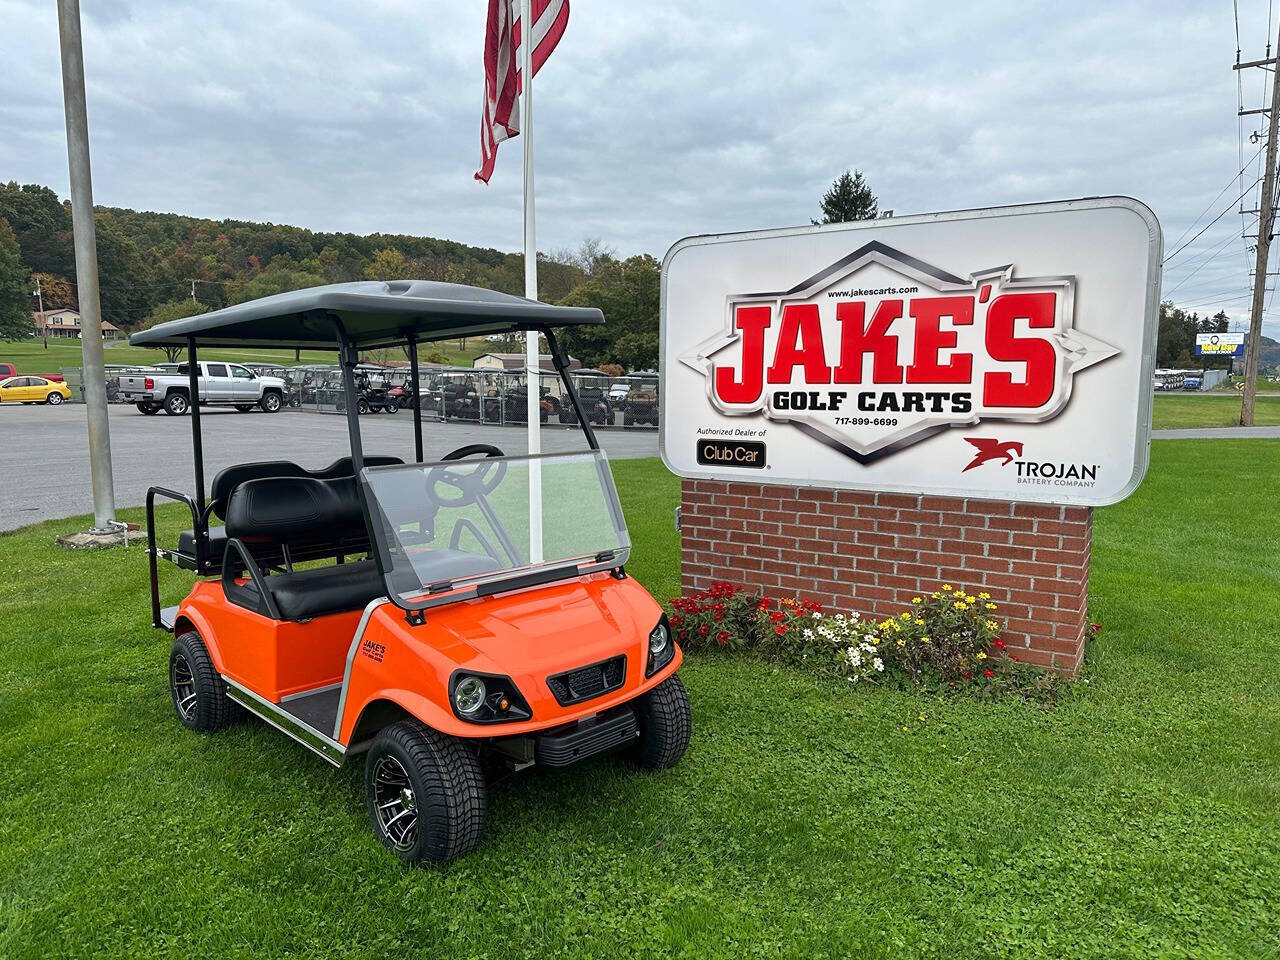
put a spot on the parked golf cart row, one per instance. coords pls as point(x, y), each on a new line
point(483, 625)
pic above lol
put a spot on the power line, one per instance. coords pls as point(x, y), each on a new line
point(1203, 262)
point(1225, 211)
point(1210, 204)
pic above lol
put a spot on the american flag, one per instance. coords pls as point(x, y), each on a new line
point(502, 81)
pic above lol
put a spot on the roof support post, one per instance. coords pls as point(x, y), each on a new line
point(561, 361)
point(417, 399)
point(193, 396)
point(348, 357)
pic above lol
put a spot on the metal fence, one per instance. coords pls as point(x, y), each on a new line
point(474, 395)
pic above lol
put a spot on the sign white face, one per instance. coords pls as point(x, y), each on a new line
point(1220, 344)
point(1001, 353)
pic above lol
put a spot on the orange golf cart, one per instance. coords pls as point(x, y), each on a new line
point(429, 615)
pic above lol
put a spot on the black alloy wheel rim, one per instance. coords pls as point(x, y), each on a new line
point(394, 803)
point(183, 684)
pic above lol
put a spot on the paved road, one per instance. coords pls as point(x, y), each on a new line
point(1216, 433)
point(46, 469)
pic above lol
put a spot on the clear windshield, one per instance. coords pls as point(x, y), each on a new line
point(443, 526)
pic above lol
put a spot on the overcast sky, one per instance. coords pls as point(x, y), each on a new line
point(653, 120)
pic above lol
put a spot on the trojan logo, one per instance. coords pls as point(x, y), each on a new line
point(990, 449)
point(881, 350)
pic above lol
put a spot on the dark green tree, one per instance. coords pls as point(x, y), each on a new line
point(628, 294)
point(172, 310)
point(15, 301)
point(849, 198)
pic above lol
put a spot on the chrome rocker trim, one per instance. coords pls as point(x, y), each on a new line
point(287, 724)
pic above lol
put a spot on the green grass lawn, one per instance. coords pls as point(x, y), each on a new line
point(30, 356)
point(1174, 411)
point(1138, 818)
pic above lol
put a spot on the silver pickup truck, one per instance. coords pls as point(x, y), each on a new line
point(221, 384)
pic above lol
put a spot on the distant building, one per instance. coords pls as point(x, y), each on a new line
point(65, 324)
point(515, 361)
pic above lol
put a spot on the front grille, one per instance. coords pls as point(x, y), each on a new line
point(589, 682)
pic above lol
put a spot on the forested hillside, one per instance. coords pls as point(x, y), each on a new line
point(149, 262)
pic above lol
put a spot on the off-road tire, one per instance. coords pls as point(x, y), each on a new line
point(448, 787)
point(271, 402)
point(177, 405)
point(391, 408)
point(212, 709)
point(362, 406)
point(244, 407)
point(53, 399)
point(666, 723)
point(149, 409)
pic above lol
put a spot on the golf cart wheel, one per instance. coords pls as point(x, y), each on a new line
point(391, 408)
point(176, 405)
point(53, 399)
point(149, 409)
point(270, 402)
point(199, 695)
point(666, 723)
point(425, 793)
point(244, 407)
point(362, 406)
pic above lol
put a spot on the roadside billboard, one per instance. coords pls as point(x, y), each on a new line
point(1003, 353)
point(1220, 344)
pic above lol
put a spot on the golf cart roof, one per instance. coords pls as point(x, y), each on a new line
point(372, 312)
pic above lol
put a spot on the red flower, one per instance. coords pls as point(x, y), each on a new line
point(998, 643)
point(988, 673)
point(704, 629)
point(777, 616)
point(968, 676)
point(723, 637)
point(779, 629)
point(718, 617)
point(763, 604)
point(1095, 627)
point(677, 620)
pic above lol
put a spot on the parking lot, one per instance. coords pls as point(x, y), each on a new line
point(46, 471)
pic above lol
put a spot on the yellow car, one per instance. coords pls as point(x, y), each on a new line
point(33, 390)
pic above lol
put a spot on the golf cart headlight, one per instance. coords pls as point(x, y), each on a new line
point(468, 695)
point(659, 639)
point(661, 649)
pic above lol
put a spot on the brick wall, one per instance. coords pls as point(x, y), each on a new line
point(872, 552)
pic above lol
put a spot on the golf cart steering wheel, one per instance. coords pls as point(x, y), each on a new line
point(469, 485)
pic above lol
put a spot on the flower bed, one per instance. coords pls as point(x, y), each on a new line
point(948, 640)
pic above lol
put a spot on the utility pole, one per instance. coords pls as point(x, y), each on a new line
point(93, 374)
point(193, 290)
point(44, 327)
point(1266, 227)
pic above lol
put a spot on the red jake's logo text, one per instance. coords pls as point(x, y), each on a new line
point(990, 449)
point(881, 350)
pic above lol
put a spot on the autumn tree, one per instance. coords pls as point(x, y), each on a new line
point(849, 198)
point(15, 301)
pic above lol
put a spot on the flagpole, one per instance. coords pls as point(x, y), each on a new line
point(533, 365)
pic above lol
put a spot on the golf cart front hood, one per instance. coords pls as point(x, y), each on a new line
point(541, 631)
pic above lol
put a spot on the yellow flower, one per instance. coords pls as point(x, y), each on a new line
point(960, 605)
point(922, 718)
point(946, 587)
point(924, 640)
point(985, 596)
point(902, 641)
point(905, 728)
point(917, 620)
point(970, 599)
point(905, 615)
point(915, 599)
point(992, 625)
point(981, 655)
point(990, 606)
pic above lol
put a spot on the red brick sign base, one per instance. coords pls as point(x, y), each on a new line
point(871, 553)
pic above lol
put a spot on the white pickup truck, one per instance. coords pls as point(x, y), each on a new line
point(221, 384)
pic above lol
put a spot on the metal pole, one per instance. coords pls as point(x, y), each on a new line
point(532, 364)
point(94, 374)
point(1266, 225)
point(197, 443)
point(417, 399)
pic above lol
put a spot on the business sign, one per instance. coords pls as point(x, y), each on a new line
point(1003, 353)
point(1220, 344)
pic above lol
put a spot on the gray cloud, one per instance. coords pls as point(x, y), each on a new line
point(653, 121)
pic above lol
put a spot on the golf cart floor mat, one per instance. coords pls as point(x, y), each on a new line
point(318, 709)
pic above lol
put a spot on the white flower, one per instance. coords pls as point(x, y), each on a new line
point(878, 664)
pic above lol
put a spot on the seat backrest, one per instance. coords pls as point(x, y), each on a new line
point(229, 478)
point(296, 511)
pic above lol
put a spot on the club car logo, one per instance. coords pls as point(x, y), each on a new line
point(881, 350)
